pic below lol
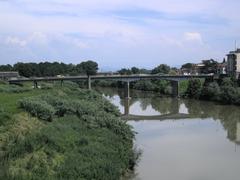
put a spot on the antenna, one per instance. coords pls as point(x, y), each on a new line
point(235, 45)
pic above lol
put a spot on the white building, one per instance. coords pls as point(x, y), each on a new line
point(233, 63)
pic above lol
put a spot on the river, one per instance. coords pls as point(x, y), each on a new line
point(181, 139)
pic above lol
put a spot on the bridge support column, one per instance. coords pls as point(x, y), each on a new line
point(89, 83)
point(175, 88)
point(61, 83)
point(35, 84)
point(126, 90)
point(126, 106)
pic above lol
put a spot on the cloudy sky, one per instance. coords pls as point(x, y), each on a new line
point(118, 33)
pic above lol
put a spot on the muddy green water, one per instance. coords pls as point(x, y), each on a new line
point(182, 139)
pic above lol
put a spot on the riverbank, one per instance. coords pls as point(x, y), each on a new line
point(224, 90)
point(62, 133)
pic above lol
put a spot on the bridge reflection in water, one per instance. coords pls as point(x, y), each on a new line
point(149, 106)
point(173, 115)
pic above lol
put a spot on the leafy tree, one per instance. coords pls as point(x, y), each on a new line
point(229, 94)
point(7, 67)
point(125, 71)
point(194, 88)
point(135, 70)
point(227, 82)
point(211, 91)
point(187, 65)
point(88, 67)
point(162, 68)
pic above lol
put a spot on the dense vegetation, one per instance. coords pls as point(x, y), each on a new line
point(225, 90)
point(64, 133)
point(51, 69)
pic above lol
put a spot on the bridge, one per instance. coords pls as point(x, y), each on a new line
point(174, 79)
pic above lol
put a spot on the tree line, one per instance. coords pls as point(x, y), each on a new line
point(224, 90)
point(52, 69)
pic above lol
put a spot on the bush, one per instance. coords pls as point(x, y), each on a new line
point(13, 89)
point(144, 85)
point(229, 94)
point(211, 91)
point(194, 88)
point(38, 108)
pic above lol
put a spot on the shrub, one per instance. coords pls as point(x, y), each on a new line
point(60, 105)
point(37, 108)
point(194, 88)
point(13, 89)
point(229, 94)
point(211, 91)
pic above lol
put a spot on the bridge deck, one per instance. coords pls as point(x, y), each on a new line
point(109, 77)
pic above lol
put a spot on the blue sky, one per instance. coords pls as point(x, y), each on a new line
point(117, 33)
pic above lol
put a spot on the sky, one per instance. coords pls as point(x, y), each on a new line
point(118, 33)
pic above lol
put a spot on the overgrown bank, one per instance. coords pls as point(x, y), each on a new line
point(63, 133)
point(224, 90)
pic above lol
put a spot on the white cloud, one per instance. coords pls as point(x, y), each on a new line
point(15, 41)
point(193, 36)
point(91, 29)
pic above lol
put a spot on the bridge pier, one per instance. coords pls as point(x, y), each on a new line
point(175, 88)
point(89, 83)
point(126, 106)
point(126, 90)
point(35, 84)
point(61, 83)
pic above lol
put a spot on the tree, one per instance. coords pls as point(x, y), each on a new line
point(187, 65)
point(162, 68)
point(88, 67)
point(7, 67)
point(194, 88)
point(211, 91)
point(135, 70)
point(125, 71)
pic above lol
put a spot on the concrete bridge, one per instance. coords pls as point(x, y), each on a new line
point(174, 79)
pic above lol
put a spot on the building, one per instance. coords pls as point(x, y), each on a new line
point(222, 68)
point(233, 63)
point(193, 69)
point(8, 75)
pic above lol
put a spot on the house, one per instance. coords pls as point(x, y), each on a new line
point(222, 68)
point(233, 63)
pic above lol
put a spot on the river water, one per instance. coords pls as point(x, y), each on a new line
point(182, 139)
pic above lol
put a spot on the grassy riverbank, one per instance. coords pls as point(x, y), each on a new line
point(62, 133)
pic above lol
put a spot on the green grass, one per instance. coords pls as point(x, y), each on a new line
point(85, 139)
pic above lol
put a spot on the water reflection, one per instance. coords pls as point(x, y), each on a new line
point(182, 139)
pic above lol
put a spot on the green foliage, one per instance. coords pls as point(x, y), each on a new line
point(37, 108)
point(125, 71)
point(135, 70)
point(88, 67)
point(13, 89)
point(86, 140)
point(183, 85)
point(229, 94)
point(187, 66)
point(194, 88)
point(162, 68)
point(211, 91)
point(144, 85)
